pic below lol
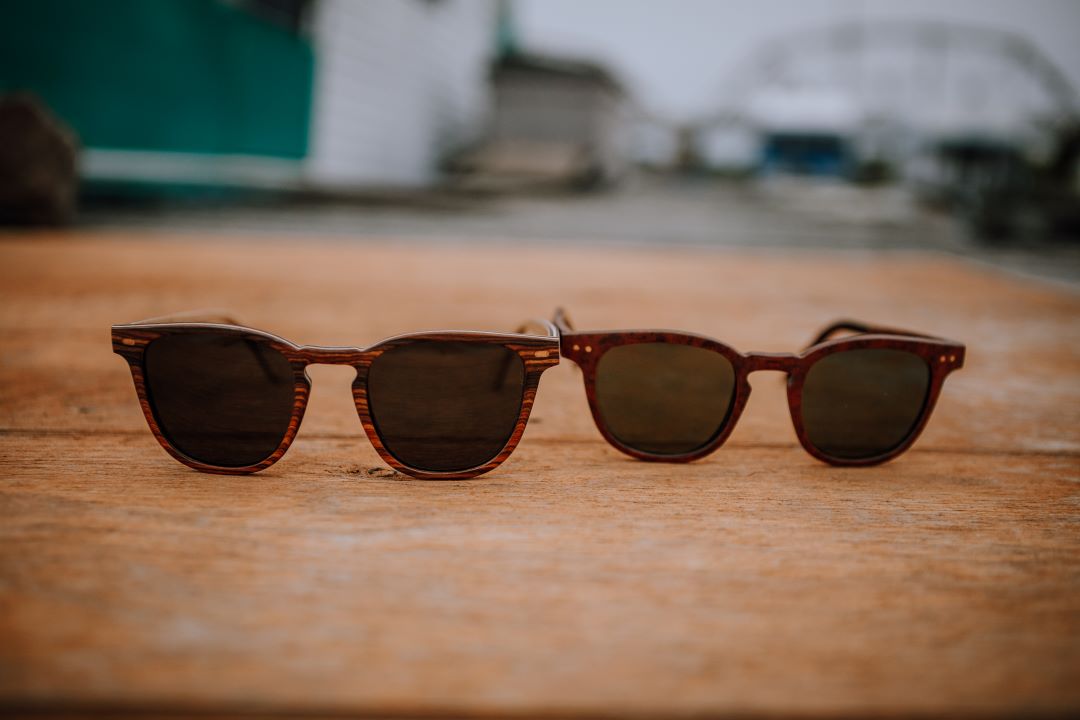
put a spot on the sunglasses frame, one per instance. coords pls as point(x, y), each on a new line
point(537, 353)
point(585, 348)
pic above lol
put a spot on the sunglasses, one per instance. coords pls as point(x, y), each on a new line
point(224, 398)
point(860, 399)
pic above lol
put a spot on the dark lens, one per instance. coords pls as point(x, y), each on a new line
point(219, 399)
point(445, 406)
point(859, 404)
point(664, 398)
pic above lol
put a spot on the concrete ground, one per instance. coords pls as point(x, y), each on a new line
point(774, 215)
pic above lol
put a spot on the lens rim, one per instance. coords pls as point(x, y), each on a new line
point(537, 353)
point(587, 348)
point(131, 343)
point(941, 357)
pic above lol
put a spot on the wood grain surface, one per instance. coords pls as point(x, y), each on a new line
point(572, 580)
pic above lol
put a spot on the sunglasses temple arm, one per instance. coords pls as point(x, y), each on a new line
point(854, 327)
point(837, 327)
point(531, 326)
point(561, 320)
point(537, 327)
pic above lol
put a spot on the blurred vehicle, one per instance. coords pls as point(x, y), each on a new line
point(812, 132)
point(999, 190)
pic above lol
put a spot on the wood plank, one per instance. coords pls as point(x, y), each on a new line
point(572, 579)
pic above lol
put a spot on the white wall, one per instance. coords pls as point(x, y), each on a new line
point(397, 84)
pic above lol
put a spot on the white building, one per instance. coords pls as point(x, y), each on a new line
point(398, 85)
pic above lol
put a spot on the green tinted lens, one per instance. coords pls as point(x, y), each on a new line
point(664, 398)
point(859, 404)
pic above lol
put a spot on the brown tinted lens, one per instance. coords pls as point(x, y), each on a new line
point(664, 398)
point(860, 404)
point(219, 399)
point(445, 406)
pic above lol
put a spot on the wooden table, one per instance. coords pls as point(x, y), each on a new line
point(572, 580)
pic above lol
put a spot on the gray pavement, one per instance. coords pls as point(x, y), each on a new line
point(775, 215)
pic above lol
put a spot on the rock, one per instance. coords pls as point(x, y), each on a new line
point(38, 164)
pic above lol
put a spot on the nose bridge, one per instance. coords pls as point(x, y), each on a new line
point(779, 362)
point(320, 355)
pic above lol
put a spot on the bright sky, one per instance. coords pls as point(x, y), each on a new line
point(676, 54)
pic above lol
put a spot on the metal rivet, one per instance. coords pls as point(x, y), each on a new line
point(588, 348)
point(577, 347)
point(941, 359)
point(952, 358)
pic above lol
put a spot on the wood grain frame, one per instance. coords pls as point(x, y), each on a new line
point(586, 348)
point(538, 353)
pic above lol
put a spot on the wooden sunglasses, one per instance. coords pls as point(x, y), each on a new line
point(860, 399)
point(224, 398)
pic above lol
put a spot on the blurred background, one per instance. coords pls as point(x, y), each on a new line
point(943, 124)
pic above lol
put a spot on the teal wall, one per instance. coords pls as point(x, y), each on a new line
point(162, 75)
